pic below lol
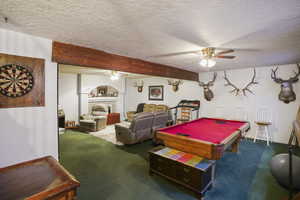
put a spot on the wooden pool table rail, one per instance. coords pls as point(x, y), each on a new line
point(202, 148)
point(230, 140)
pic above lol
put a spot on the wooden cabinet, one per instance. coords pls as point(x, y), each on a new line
point(194, 173)
point(113, 118)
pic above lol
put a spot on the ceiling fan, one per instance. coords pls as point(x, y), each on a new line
point(209, 54)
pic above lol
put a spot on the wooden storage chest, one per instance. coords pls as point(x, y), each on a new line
point(191, 171)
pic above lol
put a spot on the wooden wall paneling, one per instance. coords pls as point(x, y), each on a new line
point(75, 55)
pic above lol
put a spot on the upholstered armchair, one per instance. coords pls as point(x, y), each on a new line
point(92, 124)
point(131, 114)
point(146, 108)
point(149, 108)
point(95, 121)
point(138, 130)
point(61, 117)
point(160, 120)
point(161, 107)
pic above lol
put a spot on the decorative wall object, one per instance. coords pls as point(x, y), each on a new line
point(104, 91)
point(16, 80)
point(237, 90)
point(22, 81)
point(208, 94)
point(175, 84)
point(156, 93)
point(139, 85)
point(287, 93)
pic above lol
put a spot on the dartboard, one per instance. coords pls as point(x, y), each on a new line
point(15, 80)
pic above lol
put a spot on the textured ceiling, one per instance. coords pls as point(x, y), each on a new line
point(263, 32)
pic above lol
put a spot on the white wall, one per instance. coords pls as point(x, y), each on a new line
point(226, 105)
point(188, 90)
point(28, 133)
point(68, 97)
point(89, 82)
point(68, 93)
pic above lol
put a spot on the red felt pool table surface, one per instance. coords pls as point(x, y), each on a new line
point(206, 129)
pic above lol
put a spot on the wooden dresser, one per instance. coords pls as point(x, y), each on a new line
point(191, 171)
point(38, 179)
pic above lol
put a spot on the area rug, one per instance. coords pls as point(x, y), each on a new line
point(108, 134)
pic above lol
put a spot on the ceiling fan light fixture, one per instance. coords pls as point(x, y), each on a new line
point(206, 62)
point(114, 75)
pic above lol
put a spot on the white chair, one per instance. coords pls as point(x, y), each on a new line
point(263, 122)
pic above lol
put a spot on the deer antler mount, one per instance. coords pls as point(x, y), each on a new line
point(287, 93)
point(139, 85)
point(175, 84)
point(208, 93)
point(237, 90)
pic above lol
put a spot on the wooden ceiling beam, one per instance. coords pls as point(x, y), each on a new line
point(76, 55)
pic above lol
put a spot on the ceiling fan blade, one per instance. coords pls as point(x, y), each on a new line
point(175, 54)
point(227, 57)
point(224, 52)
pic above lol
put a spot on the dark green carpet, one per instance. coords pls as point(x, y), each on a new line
point(110, 172)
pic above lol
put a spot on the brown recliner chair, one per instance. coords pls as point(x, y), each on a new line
point(95, 121)
point(160, 120)
point(138, 130)
point(131, 114)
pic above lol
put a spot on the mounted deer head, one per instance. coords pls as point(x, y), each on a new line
point(238, 90)
point(208, 94)
point(175, 84)
point(139, 85)
point(287, 93)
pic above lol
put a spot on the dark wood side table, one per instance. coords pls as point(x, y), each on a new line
point(113, 118)
point(38, 179)
point(191, 171)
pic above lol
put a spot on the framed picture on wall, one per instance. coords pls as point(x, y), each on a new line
point(156, 92)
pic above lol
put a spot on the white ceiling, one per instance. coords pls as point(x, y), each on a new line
point(263, 32)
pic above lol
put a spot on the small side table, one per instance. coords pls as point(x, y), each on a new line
point(264, 126)
point(39, 179)
point(113, 118)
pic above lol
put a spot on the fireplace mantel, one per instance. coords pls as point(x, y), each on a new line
point(102, 99)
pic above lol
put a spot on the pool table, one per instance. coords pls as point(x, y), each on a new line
point(206, 137)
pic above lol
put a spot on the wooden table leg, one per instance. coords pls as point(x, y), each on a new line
point(235, 146)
